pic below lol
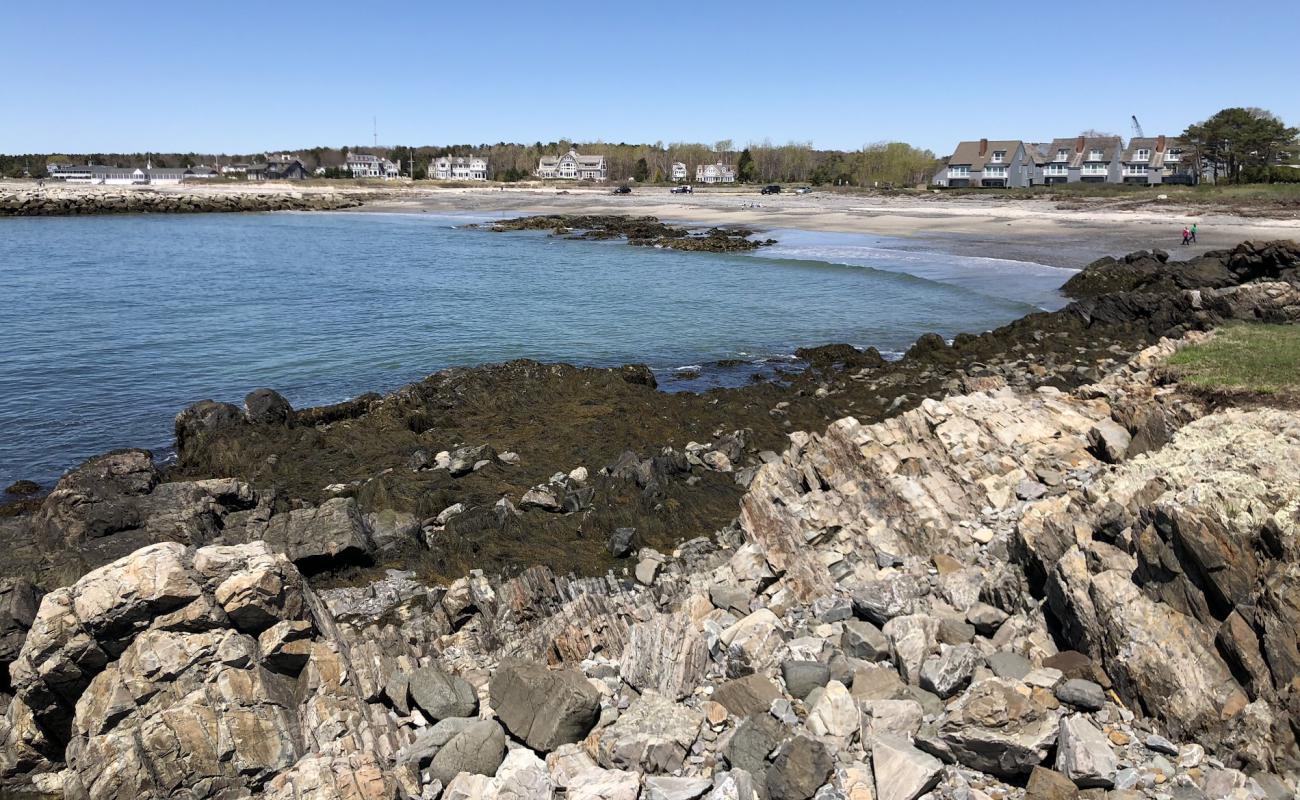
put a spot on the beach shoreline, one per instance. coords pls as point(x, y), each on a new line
point(1065, 233)
point(1038, 230)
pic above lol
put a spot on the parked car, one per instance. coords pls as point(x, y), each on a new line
point(772, 189)
point(624, 189)
point(803, 190)
point(682, 190)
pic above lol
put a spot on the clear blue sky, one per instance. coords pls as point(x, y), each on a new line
point(245, 77)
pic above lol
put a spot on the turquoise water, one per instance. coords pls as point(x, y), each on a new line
point(110, 325)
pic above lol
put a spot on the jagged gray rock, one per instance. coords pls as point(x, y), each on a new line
point(1083, 754)
point(652, 736)
point(801, 767)
point(901, 771)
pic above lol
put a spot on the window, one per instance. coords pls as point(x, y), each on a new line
point(1062, 155)
point(1142, 155)
point(959, 172)
point(1174, 155)
point(999, 156)
point(1095, 155)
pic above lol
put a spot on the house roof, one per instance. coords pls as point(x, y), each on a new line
point(582, 161)
point(969, 152)
point(1152, 143)
point(1078, 148)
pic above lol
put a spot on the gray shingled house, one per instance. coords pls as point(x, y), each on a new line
point(1158, 160)
point(1083, 159)
point(988, 164)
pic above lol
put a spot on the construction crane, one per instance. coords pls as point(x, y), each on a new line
point(1137, 128)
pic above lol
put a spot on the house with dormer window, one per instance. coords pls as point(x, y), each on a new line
point(1158, 160)
point(572, 166)
point(988, 164)
point(1083, 159)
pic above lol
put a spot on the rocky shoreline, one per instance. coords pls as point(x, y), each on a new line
point(1021, 565)
point(60, 202)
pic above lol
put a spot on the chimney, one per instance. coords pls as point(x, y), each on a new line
point(1078, 145)
point(984, 147)
point(1160, 144)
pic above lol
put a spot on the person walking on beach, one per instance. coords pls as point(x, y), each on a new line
point(1187, 234)
point(1193, 232)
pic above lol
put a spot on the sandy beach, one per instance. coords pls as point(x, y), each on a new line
point(1060, 233)
point(1043, 231)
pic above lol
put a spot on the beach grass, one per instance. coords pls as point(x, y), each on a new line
point(1253, 358)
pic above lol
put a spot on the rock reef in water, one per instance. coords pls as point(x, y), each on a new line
point(641, 231)
point(1071, 589)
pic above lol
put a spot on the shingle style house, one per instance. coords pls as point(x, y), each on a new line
point(572, 166)
point(988, 163)
point(461, 168)
point(1083, 159)
point(715, 173)
point(1158, 160)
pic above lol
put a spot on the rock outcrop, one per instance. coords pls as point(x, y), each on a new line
point(996, 594)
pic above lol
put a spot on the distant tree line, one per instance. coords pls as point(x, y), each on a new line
point(883, 164)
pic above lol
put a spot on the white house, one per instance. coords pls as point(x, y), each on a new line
point(572, 166)
point(679, 171)
point(715, 173)
point(127, 176)
point(368, 166)
point(459, 168)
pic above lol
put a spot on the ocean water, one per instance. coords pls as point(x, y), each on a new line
point(111, 325)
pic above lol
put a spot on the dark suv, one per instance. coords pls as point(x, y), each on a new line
point(773, 189)
point(625, 189)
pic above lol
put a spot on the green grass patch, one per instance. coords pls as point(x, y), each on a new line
point(1248, 357)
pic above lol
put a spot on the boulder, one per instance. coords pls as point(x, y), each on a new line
point(912, 638)
point(544, 708)
point(1083, 754)
point(440, 695)
point(801, 677)
point(950, 670)
point(901, 771)
point(318, 537)
point(864, 640)
point(1047, 784)
point(478, 749)
point(880, 601)
point(994, 728)
point(898, 718)
point(1081, 694)
point(754, 741)
point(662, 787)
point(621, 542)
point(801, 767)
point(1110, 441)
point(835, 713)
point(652, 736)
point(750, 695)
point(521, 776)
point(604, 784)
point(267, 407)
